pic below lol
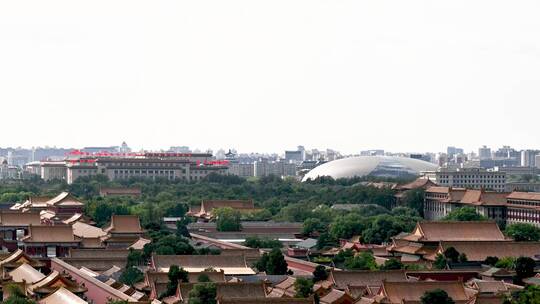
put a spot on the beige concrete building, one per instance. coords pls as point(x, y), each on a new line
point(474, 178)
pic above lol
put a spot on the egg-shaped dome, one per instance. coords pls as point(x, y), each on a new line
point(382, 166)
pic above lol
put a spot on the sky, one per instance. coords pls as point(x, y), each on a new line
point(267, 76)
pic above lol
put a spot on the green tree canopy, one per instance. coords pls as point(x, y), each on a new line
point(131, 275)
point(451, 254)
point(16, 295)
point(436, 296)
point(272, 263)
point(303, 288)
point(392, 264)
point(529, 295)
point(203, 293)
point(523, 232)
point(440, 262)
point(524, 267)
point(227, 219)
point(320, 273)
point(176, 274)
point(257, 242)
point(464, 214)
point(362, 261)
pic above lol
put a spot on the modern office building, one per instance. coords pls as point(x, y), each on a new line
point(474, 178)
point(484, 153)
point(277, 168)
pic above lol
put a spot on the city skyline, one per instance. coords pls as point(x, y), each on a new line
point(414, 76)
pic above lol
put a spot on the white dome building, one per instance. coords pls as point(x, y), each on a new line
point(382, 166)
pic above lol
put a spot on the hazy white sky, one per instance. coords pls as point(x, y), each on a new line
point(269, 75)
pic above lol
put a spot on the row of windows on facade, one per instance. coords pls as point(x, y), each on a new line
point(499, 176)
point(146, 164)
point(146, 171)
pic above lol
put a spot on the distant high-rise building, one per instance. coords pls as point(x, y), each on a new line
point(180, 149)
point(484, 152)
point(451, 151)
point(528, 158)
point(297, 156)
point(375, 152)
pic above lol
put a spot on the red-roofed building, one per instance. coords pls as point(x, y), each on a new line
point(504, 208)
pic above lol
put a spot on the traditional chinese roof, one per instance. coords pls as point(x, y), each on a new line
point(231, 265)
point(18, 219)
point(53, 281)
point(336, 296)
point(228, 290)
point(157, 281)
point(139, 244)
point(120, 191)
point(17, 258)
point(62, 296)
point(455, 231)
point(26, 273)
point(64, 199)
point(74, 218)
point(528, 196)
point(359, 278)
point(265, 301)
point(411, 292)
point(207, 206)
point(417, 184)
point(479, 251)
point(84, 230)
point(124, 224)
point(50, 234)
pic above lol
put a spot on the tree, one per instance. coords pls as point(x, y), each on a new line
point(524, 268)
point(414, 199)
point(181, 228)
point(313, 225)
point(134, 258)
point(320, 273)
point(256, 242)
point(176, 274)
point(203, 293)
point(440, 262)
point(462, 258)
point(227, 219)
point(131, 276)
point(276, 263)
point(506, 263)
point(522, 232)
point(384, 227)
point(436, 296)
point(303, 288)
point(529, 295)
point(451, 254)
point(363, 261)
point(272, 263)
point(491, 260)
point(16, 295)
point(464, 214)
point(392, 264)
point(326, 240)
point(343, 255)
point(203, 278)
